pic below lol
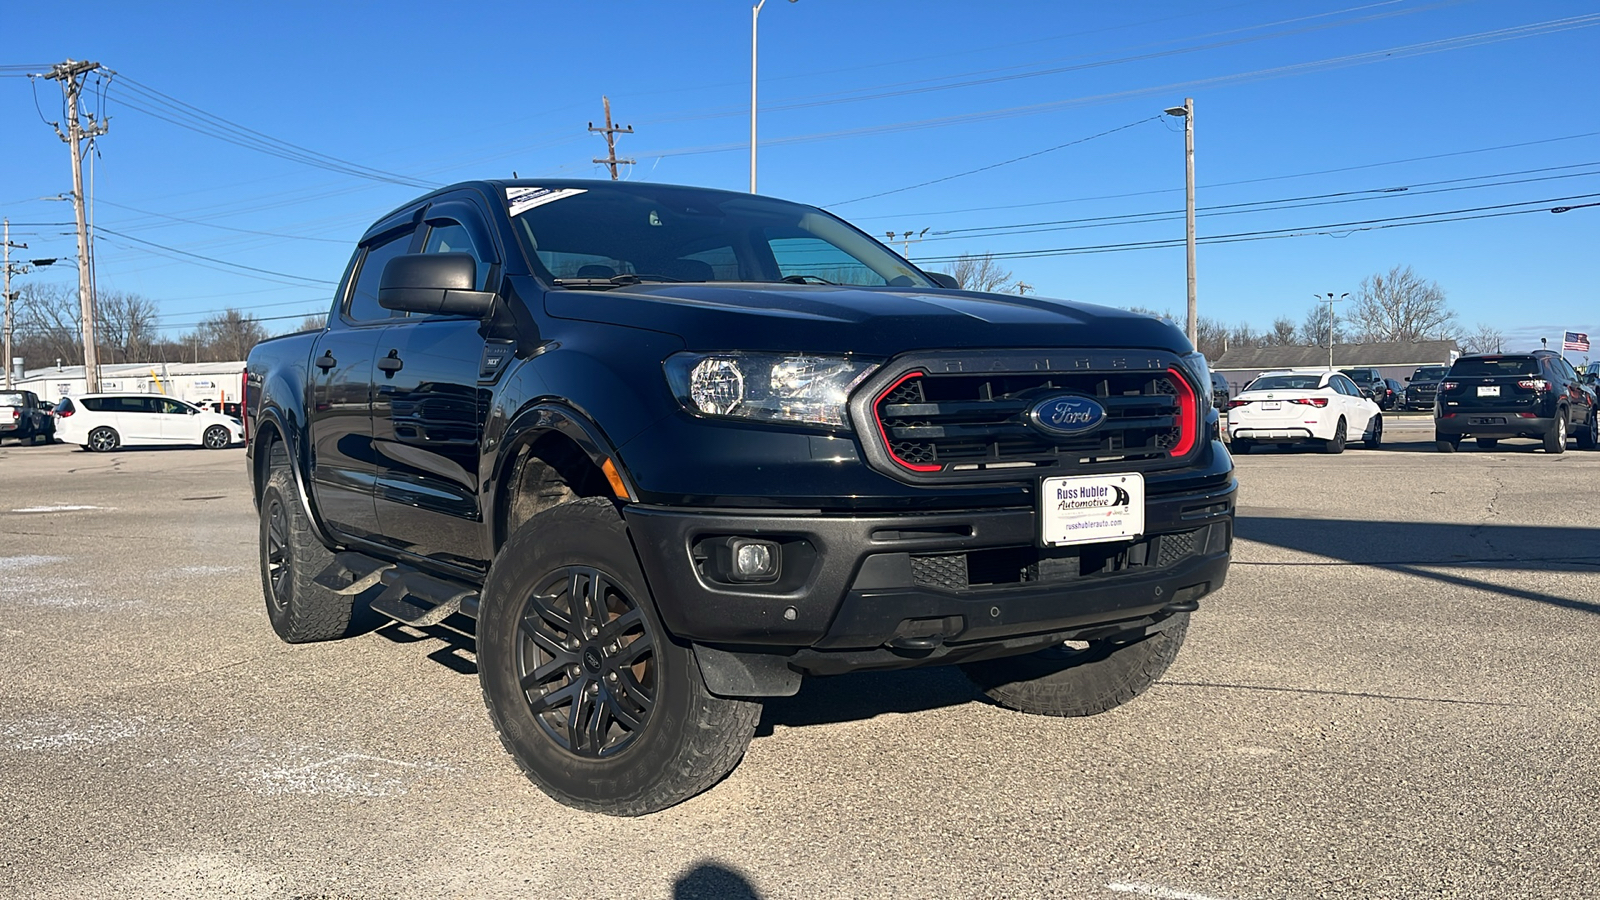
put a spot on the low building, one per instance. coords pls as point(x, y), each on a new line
point(193, 382)
point(1395, 359)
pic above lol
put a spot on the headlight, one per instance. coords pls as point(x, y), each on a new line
point(774, 387)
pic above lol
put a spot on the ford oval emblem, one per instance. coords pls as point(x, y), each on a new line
point(1067, 416)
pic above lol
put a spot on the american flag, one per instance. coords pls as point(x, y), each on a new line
point(1575, 341)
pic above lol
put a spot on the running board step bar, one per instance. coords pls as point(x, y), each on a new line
point(351, 573)
point(411, 597)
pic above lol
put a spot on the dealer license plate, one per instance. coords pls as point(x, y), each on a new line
point(1091, 509)
point(1271, 404)
point(1492, 390)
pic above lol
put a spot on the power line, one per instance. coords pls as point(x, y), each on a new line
point(212, 259)
point(167, 108)
point(997, 165)
point(1332, 229)
point(292, 237)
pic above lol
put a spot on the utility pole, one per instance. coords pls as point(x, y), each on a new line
point(1186, 111)
point(1331, 302)
point(611, 132)
point(9, 296)
point(906, 240)
point(70, 74)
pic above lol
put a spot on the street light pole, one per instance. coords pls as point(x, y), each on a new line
point(755, 18)
point(1186, 111)
point(1331, 301)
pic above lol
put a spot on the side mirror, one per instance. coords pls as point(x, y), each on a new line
point(434, 283)
point(944, 281)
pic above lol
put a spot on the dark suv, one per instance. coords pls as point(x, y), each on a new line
point(1503, 395)
point(1370, 381)
point(1422, 386)
point(23, 417)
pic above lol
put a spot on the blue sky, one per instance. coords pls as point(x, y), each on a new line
point(858, 98)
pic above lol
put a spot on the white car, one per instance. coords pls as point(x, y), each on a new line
point(103, 422)
point(1291, 407)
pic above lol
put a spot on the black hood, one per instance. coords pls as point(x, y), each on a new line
point(872, 321)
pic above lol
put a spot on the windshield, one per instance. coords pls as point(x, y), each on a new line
point(1286, 383)
point(599, 237)
point(1496, 365)
point(1429, 373)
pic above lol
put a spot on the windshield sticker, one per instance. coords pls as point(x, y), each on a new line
point(523, 199)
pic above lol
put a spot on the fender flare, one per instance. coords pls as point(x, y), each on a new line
point(544, 417)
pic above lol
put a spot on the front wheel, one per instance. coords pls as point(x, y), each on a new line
point(599, 706)
point(104, 439)
point(1589, 437)
point(1555, 440)
point(1081, 678)
point(217, 438)
point(1374, 436)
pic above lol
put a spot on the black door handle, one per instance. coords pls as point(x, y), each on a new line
point(326, 360)
point(391, 364)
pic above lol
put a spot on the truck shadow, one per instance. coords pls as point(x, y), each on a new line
point(866, 695)
point(1421, 549)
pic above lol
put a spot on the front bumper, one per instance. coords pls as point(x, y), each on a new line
point(859, 588)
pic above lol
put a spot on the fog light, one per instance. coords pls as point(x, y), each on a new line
point(749, 559)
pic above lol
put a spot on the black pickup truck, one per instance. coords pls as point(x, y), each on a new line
point(674, 449)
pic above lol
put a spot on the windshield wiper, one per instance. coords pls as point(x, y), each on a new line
point(805, 279)
point(608, 283)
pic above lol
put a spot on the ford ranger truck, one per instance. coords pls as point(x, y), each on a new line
point(676, 449)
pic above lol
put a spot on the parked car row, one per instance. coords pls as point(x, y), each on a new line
point(1487, 397)
point(104, 422)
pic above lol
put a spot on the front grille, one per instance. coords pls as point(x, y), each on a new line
point(964, 423)
point(1053, 565)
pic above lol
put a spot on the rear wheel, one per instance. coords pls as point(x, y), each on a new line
point(104, 439)
point(1340, 431)
point(217, 438)
point(1487, 443)
point(1080, 678)
point(602, 710)
point(299, 609)
point(1555, 440)
point(1446, 444)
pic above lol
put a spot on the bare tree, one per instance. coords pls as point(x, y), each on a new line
point(314, 323)
point(126, 326)
point(229, 335)
point(1486, 339)
point(1283, 332)
point(1400, 306)
point(1314, 328)
point(981, 273)
point(1210, 337)
point(46, 325)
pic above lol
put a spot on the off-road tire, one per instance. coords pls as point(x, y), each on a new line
point(1555, 440)
point(686, 740)
point(1589, 437)
point(104, 439)
point(1340, 433)
point(216, 438)
point(1375, 429)
point(1079, 682)
point(1487, 443)
point(299, 609)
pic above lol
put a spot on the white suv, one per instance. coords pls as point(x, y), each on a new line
point(104, 422)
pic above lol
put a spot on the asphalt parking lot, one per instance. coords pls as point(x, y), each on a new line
point(1395, 696)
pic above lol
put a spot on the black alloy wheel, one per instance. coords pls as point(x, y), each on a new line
point(278, 553)
point(586, 661)
point(217, 438)
point(1340, 431)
